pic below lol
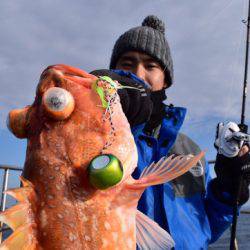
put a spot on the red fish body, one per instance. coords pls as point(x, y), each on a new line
point(59, 208)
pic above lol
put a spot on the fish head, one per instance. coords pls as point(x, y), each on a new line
point(75, 118)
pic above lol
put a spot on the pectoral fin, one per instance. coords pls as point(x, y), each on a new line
point(149, 235)
point(20, 218)
point(165, 170)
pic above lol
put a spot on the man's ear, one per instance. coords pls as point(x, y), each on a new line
point(165, 85)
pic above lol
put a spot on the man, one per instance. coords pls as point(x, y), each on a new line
point(193, 208)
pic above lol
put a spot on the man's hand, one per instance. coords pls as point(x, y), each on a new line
point(232, 162)
point(136, 102)
point(244, 150)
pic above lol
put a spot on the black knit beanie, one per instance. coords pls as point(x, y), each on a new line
point(150, 39)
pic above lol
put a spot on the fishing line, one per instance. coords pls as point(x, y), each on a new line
point(196, 123)
point(233, 67)
point(244, 129)
point(212, 18)
point(203, 124)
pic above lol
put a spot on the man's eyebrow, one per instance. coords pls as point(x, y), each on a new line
point(129, 58)
point(134, 59)
point(149, 59)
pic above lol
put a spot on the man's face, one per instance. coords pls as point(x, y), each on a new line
point(145, 67)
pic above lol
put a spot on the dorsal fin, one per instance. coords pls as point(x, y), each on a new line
point(25, 182)
point(20, 218)
point(22, 239)
point(21, 194)
point(15, 216)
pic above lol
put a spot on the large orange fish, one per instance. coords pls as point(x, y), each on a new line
point(77, 191)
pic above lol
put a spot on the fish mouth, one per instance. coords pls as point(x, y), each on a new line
point(17, 122)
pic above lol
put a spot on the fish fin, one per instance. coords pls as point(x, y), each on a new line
point(149, 235)
point(15, 216)
point(25, 182)
point(21, 239)
point(20, 194)
point(21, 219)
point(166, 169)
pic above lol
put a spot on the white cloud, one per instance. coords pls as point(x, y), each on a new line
point(207, 42)
point(206, 38)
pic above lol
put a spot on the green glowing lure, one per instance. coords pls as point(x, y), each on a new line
point(105, 171)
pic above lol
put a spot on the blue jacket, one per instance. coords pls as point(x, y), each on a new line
point(185, 207)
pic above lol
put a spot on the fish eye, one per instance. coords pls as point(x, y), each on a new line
point(58, 103)
point(105, 171)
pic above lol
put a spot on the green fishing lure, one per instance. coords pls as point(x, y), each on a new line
point(102, 93)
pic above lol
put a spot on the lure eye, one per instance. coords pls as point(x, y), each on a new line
point(105, 171)
point(58, 103)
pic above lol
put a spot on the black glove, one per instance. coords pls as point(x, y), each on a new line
point(158, 111)
point(229, 171)
point(136, 103)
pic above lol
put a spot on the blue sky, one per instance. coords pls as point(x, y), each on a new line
point(207, 39)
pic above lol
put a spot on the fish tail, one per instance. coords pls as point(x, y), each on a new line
point(20, 218)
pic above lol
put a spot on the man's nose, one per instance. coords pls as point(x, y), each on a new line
point(140, 72)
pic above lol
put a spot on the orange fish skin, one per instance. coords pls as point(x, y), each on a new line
point(71, 214)
point(58, 207)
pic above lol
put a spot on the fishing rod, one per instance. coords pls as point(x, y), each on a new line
point(244, 129)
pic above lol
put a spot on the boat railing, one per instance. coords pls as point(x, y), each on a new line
point(6, 174)
point(7, 171)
